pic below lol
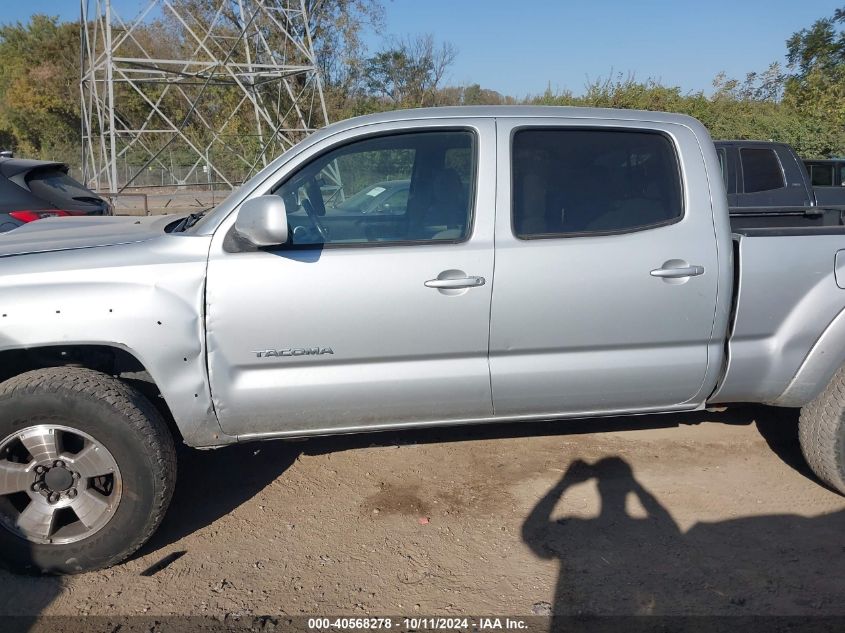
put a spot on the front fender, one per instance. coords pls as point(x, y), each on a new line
point(144, 298)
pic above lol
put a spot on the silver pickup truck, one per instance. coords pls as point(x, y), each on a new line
point(516, 263)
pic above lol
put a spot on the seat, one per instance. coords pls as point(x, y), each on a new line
point(446, 216)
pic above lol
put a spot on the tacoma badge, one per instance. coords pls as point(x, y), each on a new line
point(298, 351)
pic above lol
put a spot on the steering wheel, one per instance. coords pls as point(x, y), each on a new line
point(315, 219)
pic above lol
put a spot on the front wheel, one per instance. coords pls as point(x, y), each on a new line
point(87, 469)
point(821, 431)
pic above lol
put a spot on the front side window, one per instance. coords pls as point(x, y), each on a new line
point(405, 188)
point(761, 170)
point(581, 182)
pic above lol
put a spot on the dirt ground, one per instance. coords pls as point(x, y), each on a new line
point(709, 513)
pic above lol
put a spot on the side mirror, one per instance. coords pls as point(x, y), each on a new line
point(263, 221)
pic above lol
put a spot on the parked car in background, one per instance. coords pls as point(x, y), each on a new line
point(769, 179)
point(35, 189)
point(829, 172)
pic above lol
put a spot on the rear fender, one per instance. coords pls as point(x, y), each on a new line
point(824, 358)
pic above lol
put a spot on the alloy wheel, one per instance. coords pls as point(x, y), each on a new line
point(58, 485)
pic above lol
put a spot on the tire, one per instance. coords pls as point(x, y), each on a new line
point(821, 431)
point(96, 424)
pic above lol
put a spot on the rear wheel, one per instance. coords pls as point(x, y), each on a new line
point(87, 468)
point(821, 430)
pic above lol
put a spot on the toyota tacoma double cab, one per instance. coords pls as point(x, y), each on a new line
point(549, 263)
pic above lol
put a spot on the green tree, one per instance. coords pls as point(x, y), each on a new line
point(817, 85)
point(474, 94)
point(736, 109)
point(409, 73)
point(39, 87)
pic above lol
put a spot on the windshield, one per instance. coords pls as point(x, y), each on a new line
point(212, 217)
point(198, 219)
point(209, 218)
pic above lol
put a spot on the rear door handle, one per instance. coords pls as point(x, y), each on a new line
point(681, 271)
point(461, 282)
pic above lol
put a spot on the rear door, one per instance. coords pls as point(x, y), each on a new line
point(606, 268)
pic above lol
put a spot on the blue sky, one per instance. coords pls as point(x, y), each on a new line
point(520, 47)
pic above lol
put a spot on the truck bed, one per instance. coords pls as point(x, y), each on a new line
point(786, 217)
point(786, 231)
point(786, 297)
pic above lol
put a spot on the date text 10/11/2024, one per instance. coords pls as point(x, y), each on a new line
point(418, 623)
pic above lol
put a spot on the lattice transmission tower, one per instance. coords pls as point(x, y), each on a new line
point(194, 92)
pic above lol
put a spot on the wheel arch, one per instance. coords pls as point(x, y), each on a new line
point(823, 360)
point(121, 361)
point(114, 360)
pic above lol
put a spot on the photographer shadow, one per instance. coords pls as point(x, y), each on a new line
point(620, 564)
point(23, 597)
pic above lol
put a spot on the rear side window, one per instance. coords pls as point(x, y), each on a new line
point(821, 175)
point(570, 182)
point(59, 189)
point(761, 170)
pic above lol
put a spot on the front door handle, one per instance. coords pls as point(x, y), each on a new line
point(680, 271)
point(452, 284)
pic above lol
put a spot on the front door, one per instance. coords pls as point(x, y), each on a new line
point(606, 269)
point(377, 310)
